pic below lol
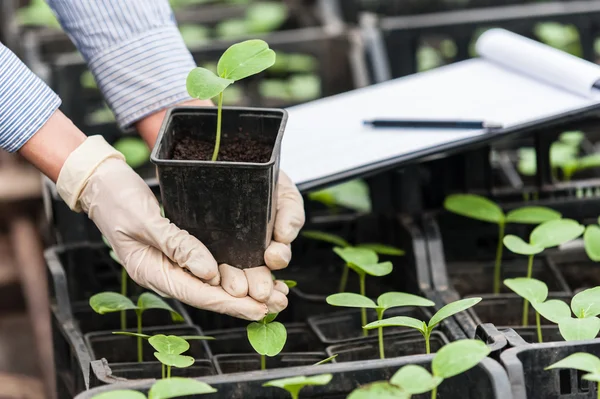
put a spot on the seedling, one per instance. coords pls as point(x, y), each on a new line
point(108, 302)
point(237, 62)
point(267, 337)
point(534, 291)
point(547, 235)
point(384, 302)
point(562, 153)
point(451, 360)
point(295, 384)
point(425, 328)
point(481, 208)
point(124, 280)
point(363, 261)
point(583, 362)
point(162, 389)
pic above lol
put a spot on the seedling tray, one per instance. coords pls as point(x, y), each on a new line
point(244, 363)
point(485, 381)
point(406, 343)
point(123, 349)
point(525, 366)
point(300, 338)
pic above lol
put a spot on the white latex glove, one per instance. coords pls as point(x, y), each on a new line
point(257, 282)
point(156, 254)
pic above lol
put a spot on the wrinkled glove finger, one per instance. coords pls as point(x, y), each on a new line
point(277, 302)
point(260, 283)
point(233, 281)
point(281, 287)
point(290, 211)
point(278, 255)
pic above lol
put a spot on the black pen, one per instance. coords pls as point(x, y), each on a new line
point(431, 124)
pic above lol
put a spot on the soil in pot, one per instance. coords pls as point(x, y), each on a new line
point(234, 363)
point(405, 343)
point(137, 371)
point(475, 278)
point(123, 349)
point(90, 321)
point(235, 148)
point(346, 325)
point(300, 338)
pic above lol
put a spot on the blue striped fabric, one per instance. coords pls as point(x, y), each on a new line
point(134, 51)
point(26, 102)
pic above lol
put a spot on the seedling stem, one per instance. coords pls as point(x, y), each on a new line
point(363, 311)
point(218, 139)
point(124, 277)
point(344, 279)
point(140, 347)
point(263, 362)
point(539, 327)
point(526, 302)
point(498, 264)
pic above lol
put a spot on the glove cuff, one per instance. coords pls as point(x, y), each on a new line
point(80, 165)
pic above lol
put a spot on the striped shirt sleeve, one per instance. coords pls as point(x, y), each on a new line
point(133, 49)
point(26, 102)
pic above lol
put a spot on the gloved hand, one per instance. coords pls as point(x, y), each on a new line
point(257, 282)
point(155, 253)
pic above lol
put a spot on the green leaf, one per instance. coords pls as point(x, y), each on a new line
point(573, 329)
point(265, 17)
point(586, 303)
point(105, 241)
point(197, 337)
point(554, 310)
point(134, 149)
point(578, 361)
point(326, 237)
point(132, 334)
point(572, 138)
point(375, 269)
point(415, 379)
point(474, 207)
point(113, 256)
point(245, 59)
point(457, 357)
point(398, 321)
point(588, 162)
point(290, 283)
point(270, 317)
point(591, 239)
point(204, 85)
point(107, 302)
point(395, 299)
point(178, 361)
point(357, 256)
point(592, 377)
point(232, 29)
point(533, 290)
point(151, 301)
point(171, 344)
point(294, 384)
point(352, 195)
point(556, 232)
point(527, 165)
point(452, 309)
point(329, 359)
point(379, 390)
point(267, 339)
point(175, 387)
point(532, 215)
point(517, 245)
point(120, 394)
point(383, 249)
point(350, 300)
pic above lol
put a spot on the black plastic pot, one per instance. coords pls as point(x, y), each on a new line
point(123, 349)
point(406, 343)
point(526, 369)
point(485, 381)
point(300, 338)
point(229, 206)
point(495, 339)
point(243, 363)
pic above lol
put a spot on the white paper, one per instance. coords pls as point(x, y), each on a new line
point(327, 136)
point(538, 61)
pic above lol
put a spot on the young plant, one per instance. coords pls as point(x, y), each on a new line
point(423, 327)
point(295, 384)
point(162, 389)
point(267, 337)
point(338, 241)
point(237, 62)
point(363, 261)
point(384, 302)
point(536, 292)
point(109, 302)
point(547, 235)
point(481, 208)
point(451, 360)
point(583, 362)
point(124, 280)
